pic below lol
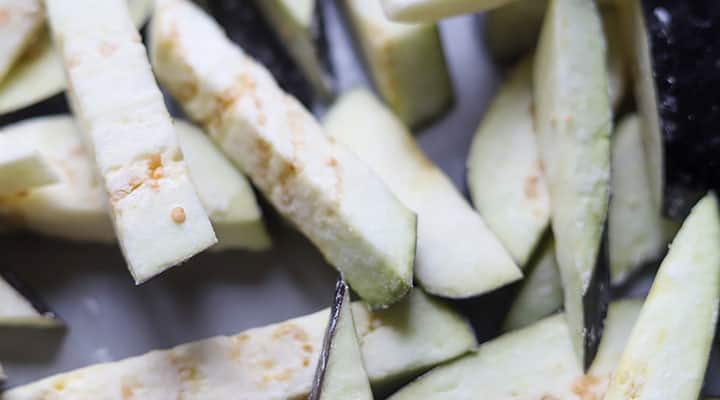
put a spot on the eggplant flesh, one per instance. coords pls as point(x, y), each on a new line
point(684, 46)
point(21, 306)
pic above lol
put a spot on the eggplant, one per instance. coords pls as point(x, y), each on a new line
point(247, 26)
point(272, 362)
point(668, 350)
point(505, 176)
point(35, 83)
point(300, 26)
point(675, 52)
point(319, 185)
point(638, 234)
point(433, 10)
point(22, 168)
point(573, 119)
point(340, 372)
point(75, 207)
point(540, 293)
point(128, 130)
point(21, 307)
point(393, 53)
point(512, 31)
point(458, 256)
point(537, 362)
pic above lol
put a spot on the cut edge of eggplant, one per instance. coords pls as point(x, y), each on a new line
point(46, 317)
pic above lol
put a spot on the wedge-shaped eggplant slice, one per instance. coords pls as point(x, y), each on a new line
point(512, 31)
point(300, 27)
point(537, 362)
point(637, 233)
point(668, 350)
point(457, 255)
point(75, 208)
point(19, 307)
point(38, 73)
point(393, 53)
point(505, 177)
point(22, 21)
point(22, 169)
point(433, 10)
point(340, 372)
point(675, 55)
point(316, 183)
point(541, 292)
point(573, 120)
point(157, 215)
point(273, 362)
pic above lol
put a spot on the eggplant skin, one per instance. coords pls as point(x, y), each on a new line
point(684, 39)
point(245, 25)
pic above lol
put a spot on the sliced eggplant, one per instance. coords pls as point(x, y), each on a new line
point(340, 372)
point(157, 216)
point(457, 255)
point(668, 350)
point(273, 362)
point(75, 208)
point(675, 54)
point(505, 176)
point(300, 26)
point(19, 307)
point(250, 29)
point(433, 10)
point(637, 233)
point(512, 31)
point(537, 362)
point(541, 293)
point(393, 53)
point(314, 182)
point(573, 120)
point(37, 76)
point(21, 22)
point(22, 169)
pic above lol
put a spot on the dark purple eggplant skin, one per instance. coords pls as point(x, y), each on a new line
point(684, 38)
point(245, 25)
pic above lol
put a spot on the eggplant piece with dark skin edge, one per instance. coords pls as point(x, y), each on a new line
point(246, 26)
point(683, 41)
point(340, 372)
point(26, 292)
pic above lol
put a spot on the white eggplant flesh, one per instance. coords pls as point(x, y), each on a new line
point(341, 373)
point(537, 362)
point(541, 293)
point(392, 52)
point(668, 350)
point(638, 234)
point(573, 121)
point(75, 208)
point(294, 23)
point(17, 311)
point(157, 216)
point(320, 186)
point(433, 10)
point(633, 23)
point(457, 255)
point(505, 176)
point(225, 193)
point(38, 73)
point(22, 169)
point(512, 31)
point(268, 363)
point(20, 23)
